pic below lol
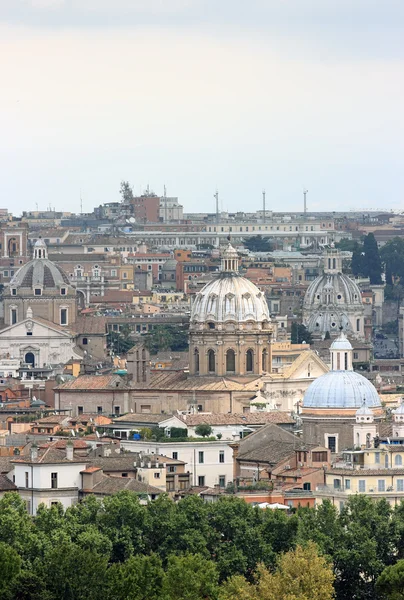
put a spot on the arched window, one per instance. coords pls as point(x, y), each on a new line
point(264, 364)
point(249, 361)
point(230, 361)
point(196, 360)
point(211, 361)
point(398, 461)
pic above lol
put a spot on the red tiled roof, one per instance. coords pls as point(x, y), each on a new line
point(92, 382)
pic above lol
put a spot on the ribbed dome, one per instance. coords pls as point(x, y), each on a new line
point(39, 272)
point(328, 302)
point(229, 297)
point(339, 390)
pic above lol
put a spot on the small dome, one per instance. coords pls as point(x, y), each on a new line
point(400, 409)
point(341, 343)
point(169, 265)
point(40, 244)
point(364, 411)
point(340, 390)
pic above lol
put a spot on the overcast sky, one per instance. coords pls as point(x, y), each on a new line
point(202, 94)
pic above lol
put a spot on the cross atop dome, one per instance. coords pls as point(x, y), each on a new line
point(230, 259)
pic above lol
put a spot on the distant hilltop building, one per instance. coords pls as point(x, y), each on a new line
point(333, 301)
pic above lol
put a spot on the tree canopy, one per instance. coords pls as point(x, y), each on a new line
point(300, 334)
point(167, 337)
point(257, 243)
point(120, 549)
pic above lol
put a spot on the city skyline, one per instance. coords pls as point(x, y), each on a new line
point(279, 95)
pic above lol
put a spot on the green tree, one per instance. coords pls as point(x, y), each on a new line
point(190, 577)
point(357, 262)
point(346, 245)
point(126, 191)
point(257, 243)
point(392, 255)
point(119, 344)
point(372, 260)
point(300, 334)
point(10, 562)
point(390, 584)
point(138, 578)
point(167, 337)
point(203, 430)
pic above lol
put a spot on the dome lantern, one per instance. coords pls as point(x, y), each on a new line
point(40, 250)
point(230, 260)
point(341, 354)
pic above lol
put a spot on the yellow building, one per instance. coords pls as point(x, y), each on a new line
point(126, 277)
point(376, 472)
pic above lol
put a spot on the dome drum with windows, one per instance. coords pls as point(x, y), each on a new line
point(230, 326)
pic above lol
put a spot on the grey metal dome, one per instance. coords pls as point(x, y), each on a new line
point(339, 390)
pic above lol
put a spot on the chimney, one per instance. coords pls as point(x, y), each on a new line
point(34, 452)
point(69, 450)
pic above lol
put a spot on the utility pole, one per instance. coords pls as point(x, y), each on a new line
point(263, 206)
point(305, 201)
point(216, 196)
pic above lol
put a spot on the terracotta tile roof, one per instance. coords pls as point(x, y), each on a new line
point(50, 456)
point(365, 472)
point(93, 382)
point(178, 380)
point(6, 485)
point(5, 464)
point(258, 418)
point(142, 418)
point(61, 444)
point(270, 444)
point(90, 325)
point(113, 296)
point(91, 470)
point(111, 485)
point(301, 472)
point(52, 419)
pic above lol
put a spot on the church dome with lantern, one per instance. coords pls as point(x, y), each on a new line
point(341, 388)
point(333, 301)
point(230, 326)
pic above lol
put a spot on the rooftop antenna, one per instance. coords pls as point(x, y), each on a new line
point(216, 196)
point(305, 201)
point(263, 206)
point(165, 203)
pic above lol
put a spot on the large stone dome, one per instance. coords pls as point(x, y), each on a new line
point(333, 301)
point(230, 297)
point(40, 272)
point(341, 390)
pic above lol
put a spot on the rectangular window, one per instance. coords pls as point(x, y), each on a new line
point(171, 469)
point(221, 456)
point(307, 486)
point(201, 480)
point(38, 292)
point(332, 443)
point(26, 479)
point(99, 410)
point(63, 316)
point(347, 484)
point(362, 486)
point(377, 457)
point(320, 457)
point(29, 332)
point(222, 481)
point(80, 410)
point(381, 485)
point(13, 316)
point(355, 355)
point(175, 455)
point(5, 273)
point(145, 408)
point(117, 411)
point(63, 291)
point(14, 292)
point(200, 457)
point(54, 481)
point(156, 475)
point(400, 485)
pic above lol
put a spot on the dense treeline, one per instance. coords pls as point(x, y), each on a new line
point(119, 549)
